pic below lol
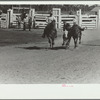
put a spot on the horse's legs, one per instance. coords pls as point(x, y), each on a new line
point(80, 38)
point(49, 40)
point(55, 33)
point(75, 41)
point(67, 42)
point(45, 32)
point(52, 42)
point(63, 42)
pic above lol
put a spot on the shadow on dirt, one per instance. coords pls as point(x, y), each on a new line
point(33, 48)
point(41, 48)
point(58, 48)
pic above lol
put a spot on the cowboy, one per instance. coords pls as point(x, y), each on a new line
point(29, 23)
point(24, 24)
point(34, 22)
point(19, 22)
point(49, 20)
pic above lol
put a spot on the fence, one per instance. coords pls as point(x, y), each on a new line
point(40, 20)
point(89, 21)
point(15, 21)
point(3, 21)
point(68, 18)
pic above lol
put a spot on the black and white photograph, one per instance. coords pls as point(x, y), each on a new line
point(50, 43)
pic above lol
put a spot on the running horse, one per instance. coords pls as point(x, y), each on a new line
point(66, 29)
point(51, 33)
point(75, 32)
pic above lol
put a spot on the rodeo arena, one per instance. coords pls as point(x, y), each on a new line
point(34, 50)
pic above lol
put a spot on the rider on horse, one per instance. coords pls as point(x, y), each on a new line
point(49, 20)
point(75, 32)
point(77, 27)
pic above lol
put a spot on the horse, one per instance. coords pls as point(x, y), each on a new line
point(66, 29)
point(51, 33)
point(75, 32)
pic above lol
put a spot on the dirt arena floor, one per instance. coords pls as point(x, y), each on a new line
point(25, 59)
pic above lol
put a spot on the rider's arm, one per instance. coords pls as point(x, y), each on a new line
point(82, 29)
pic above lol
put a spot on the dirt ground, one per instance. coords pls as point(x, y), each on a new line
point(25, 59)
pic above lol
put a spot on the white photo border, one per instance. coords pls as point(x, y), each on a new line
point(49, 91)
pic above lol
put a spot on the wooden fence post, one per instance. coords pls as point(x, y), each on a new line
point(79, 19)
point(32, 14)
point(98, 19)
point(9, 17)
point(57, 14)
